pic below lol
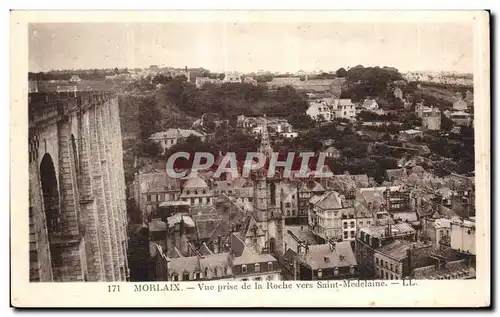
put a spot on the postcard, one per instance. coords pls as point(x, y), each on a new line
point(250, 159)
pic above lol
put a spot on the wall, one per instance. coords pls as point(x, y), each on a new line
point(81, 135)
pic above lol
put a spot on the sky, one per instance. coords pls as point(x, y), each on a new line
point(250, 47)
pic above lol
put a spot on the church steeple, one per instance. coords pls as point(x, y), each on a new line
point(265, 144)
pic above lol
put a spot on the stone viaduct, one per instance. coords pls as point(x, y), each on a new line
point(77, 210)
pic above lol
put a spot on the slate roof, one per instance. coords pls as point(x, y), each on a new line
point(322, 256)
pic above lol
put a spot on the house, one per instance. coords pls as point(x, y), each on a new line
point(392, 261)
point(75, 79)
point(461, 118)
point(319, 110)
point(170, 137)
point(431, 119)
point(393, 175)
point(306, 190)
point(410, 135)
point(194, 268)
point(289, 200)
point(398, 93)
point(370, 105)
point(150, 190)
point(344, 109)
point(232, 78)
point(325, 214)
point(329, 261)
point(196, 191)
point(439, 231)
point(369, 239)
point(463, 236)
point(459, 104)
point(249, 265)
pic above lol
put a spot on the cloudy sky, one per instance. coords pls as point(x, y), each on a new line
point(251, 47)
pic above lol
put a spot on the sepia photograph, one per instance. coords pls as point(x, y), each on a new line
point(244, 151)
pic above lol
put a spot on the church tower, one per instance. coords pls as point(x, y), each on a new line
point(267, 210)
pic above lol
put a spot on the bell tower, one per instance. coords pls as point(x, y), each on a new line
point(267, 210)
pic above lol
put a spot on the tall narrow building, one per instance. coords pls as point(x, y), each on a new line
point(267, 211)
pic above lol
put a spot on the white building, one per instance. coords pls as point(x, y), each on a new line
point(201, 81)
point(319, 109)
point(171, 137)
point(233, 78)
point(459, 105)
point(370, 105)
point(463, 236)
point(344, 109)
point(196, 192)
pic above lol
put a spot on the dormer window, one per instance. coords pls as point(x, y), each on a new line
point(257, 267)
point(185, 276)
point(243, 268)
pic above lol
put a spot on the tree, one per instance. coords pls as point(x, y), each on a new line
point(341, 72)
point(446, 123)
point(300, 121)
point(150, 148)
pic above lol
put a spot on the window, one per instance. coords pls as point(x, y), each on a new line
point(225, 270)
point(336, 271)
point(392, 268)
point(158, 198)
point(345, 234)
point(352, 270)
point(245, 279)
point(175, 277)
point(257, 278)
point(353, 224)
point(243, 269)
point(270, 266)
point(257, 267)
point(345, 225)
point(148, 197)
point(216, 271)
point(320, 273)
point(185, 276)
point(198, 276)
point(368, 223)
point(353, 234)
point(269, 278)
point(361, 223)
point(187, 192)
point(192, 201)
point(376, 260)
